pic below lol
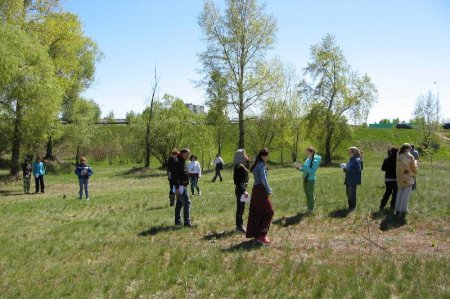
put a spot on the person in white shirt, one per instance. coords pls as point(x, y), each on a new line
point(195, 172)
point(218, 162)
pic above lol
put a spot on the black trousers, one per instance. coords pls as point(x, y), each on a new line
point(39, 181)
point(217, 175)
point(391, 189)
point(240, 206)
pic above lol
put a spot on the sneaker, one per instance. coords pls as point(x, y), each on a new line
point(241, 229)
point(263, 240)
point(188, 225)
point(87, 199)
point(199, 193)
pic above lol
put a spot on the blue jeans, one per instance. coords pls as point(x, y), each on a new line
point(193, 180)
point(183, 202)
point(84, 183)
point(351, 196)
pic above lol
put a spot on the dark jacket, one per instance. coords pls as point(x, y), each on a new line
point(180, 174)
point(83, 171)
point(171, 168)
point(353, 172)
point(240, 176)
point(390, 167)
point(27, 168)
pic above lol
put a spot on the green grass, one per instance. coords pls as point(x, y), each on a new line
point(122, 244)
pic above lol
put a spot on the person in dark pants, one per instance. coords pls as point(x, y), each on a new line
point(352, 176)
point(38, 172)
point(83, 171)
point(240, 178)
point(170, 170)
point(27, 169)
point(181, 181)
point(218, 162)
point(390, 179)
point(261, 211)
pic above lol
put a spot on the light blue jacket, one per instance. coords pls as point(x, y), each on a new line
point(260, 176)
point(310, 171)
point(38, 168)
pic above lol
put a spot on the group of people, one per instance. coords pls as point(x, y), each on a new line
point(400, 171)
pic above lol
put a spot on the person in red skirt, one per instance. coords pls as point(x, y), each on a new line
point(261, 211)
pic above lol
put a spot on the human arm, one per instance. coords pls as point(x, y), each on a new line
point(263, 176)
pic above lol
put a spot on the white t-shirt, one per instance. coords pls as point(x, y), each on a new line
point(194, 167)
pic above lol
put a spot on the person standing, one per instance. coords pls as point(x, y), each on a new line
point(195, 172)
point(416, 155)
point(218, 165)
point(309, 169)
point(27, 169)
point(406, 172)
point(352, 176)
point(240, 178)
point(181, 181)
point(390, 179)
point(170, 170)
point(84, 172)
point(38, 172)
point(261, 211)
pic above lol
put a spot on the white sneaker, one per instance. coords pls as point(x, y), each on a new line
point(87, 199)
point(199, 193)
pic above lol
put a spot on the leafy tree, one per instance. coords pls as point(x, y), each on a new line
point(218, 101)
point(427, 115)
point(334, 93)
point(30, 95)
point(237, 42)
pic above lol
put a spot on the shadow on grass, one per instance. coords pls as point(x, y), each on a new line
point(292, 220)
point(340, 213)
point(391, 221)
point(10, 193)
point(155, 208)
point(158, 229)
point(219, 235)
point(243, 246)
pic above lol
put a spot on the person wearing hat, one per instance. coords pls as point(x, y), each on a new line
point(181, 181)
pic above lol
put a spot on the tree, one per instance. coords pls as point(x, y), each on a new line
point(427, 115)
point(30, 95)
point(237, 42)
point(333, 94)
point(217, 103)
point(149, 121)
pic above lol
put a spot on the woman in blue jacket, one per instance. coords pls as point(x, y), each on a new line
point(352, 175)
point(261, 212)
point(309, 169)
point(38, 172)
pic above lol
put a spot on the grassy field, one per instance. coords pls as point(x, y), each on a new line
point(123, 244)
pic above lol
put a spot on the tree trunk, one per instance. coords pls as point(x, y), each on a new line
point(49, 154)
point(282, 161)
point(295, 150)
point(147, 146)
point(328, 149)
point(17, 138)
point(241, 121)
point(77, 156)
point(219, 138)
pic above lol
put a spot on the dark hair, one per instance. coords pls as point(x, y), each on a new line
point(185, 150)
point(193, 157)
point(261, 153)
point(393, 151)
point(405, 148)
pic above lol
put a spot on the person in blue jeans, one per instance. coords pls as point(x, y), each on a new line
point(83, 171)
point(38, 173)
point(352, 176)
point(181, 181)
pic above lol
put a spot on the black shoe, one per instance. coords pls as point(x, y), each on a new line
point(241, 229)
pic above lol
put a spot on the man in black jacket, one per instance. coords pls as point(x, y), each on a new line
point(390, 178)
point(240, 178)
point(170, 170)
point(181, 181)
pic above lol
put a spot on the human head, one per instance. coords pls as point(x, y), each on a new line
point(263, 155)
point(393, 151)
point(353, 151)
point(193, 158)
point(218, 155)
point(412, 146)
point(184, 153)
point(310, 151)
point(38, 158)
point(240, 156)
point(405, 148)
point(174, 153)
point(82, 160)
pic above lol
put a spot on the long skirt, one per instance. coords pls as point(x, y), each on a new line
point(260, 213)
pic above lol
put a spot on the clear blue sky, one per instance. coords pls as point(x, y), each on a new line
point(403, 45)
